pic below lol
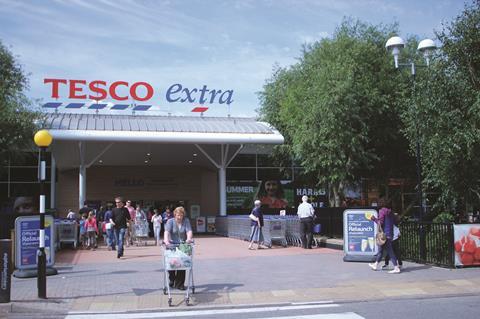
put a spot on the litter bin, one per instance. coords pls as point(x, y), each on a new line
point(6, 269)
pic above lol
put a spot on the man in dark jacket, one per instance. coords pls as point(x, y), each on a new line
point(119, 220)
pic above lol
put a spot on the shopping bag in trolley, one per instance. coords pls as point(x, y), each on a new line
point(177, 259)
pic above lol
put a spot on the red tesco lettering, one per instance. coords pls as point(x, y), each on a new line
point(99, 90)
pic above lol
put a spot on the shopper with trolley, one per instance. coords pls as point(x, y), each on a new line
point(177, 230)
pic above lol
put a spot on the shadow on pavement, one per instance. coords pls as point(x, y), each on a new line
point(123, 272)
point(416, 268)
point(141, 292)
point(216, 288)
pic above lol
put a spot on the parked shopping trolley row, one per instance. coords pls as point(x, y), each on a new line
point(282, 229)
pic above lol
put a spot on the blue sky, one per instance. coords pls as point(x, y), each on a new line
point(226, 45)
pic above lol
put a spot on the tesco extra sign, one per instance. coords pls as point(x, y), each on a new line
point(137, 91)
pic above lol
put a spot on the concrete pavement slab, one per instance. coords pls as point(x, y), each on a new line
point(227, 273)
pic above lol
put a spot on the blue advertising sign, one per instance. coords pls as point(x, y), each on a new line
point(359, 234)
point(27, 241)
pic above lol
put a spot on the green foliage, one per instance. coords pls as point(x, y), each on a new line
point(444, 218)
point(17, 123)
point(337, 107)
point(445, 115)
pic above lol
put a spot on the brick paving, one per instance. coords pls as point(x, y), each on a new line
point(227, 273)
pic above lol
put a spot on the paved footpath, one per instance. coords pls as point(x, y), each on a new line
point(226, 273)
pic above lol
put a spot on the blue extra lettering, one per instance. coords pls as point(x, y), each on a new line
point(175, 88)
point(226, 99)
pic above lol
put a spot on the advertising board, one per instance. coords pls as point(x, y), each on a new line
point(359, 235)
point(27, 241)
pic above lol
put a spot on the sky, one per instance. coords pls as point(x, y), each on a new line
point(229, 45)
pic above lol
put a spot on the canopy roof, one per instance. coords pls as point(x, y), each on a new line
point(160, 129)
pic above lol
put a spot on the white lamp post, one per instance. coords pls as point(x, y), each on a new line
point(426, 47)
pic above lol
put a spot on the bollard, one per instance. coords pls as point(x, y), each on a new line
point(5, 269)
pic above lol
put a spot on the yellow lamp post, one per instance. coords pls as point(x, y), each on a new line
point(42, 139)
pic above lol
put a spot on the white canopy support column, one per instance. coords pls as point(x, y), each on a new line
point(53, 184)
point(221, 165)
point(82, 176)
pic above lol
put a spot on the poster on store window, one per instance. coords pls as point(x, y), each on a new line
point(241, 194)
point(359, 235)
point(201, 224)
point(467, 244)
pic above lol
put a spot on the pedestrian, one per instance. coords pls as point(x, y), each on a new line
point(85, 209)
point(109, 228)
point(166, 215)
point(157, 226)
point(119, 220)
point(256, 234)
point(92, 230)
point(306, 213)
point(71, 215)
point(386, 220)
point(150, 222)
point(177, 231)
point(396, 248)
point(83, 231)
point(130, 226)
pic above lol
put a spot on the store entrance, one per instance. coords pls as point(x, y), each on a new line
point(162, 205)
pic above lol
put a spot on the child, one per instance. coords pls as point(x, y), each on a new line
point(92, 230)
point(83, 231)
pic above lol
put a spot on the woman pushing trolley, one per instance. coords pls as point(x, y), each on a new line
point(178, 255)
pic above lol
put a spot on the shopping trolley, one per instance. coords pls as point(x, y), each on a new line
point(140, 232)
point(178, 257)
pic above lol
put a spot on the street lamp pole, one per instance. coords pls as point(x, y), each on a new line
point(396, 44)
point(42, 139)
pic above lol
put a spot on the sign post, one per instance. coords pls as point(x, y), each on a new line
point(5, 270)
point(359, 235)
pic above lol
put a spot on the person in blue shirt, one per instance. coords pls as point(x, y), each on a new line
point(177, 230)
point(109, 229)
point(256, 234)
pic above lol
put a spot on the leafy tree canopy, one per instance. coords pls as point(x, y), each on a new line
point(17, 123)
point(446, 114)
point(337, 107)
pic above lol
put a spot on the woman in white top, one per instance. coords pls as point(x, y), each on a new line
point(157, 226)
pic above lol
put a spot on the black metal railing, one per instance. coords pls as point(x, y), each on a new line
point(428, 243)
point(331, 219)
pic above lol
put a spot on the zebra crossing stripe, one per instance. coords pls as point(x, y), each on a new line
point(211, 312)
point(344, 315)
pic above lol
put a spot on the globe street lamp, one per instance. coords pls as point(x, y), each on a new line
point(395, 45)
point(42, 139)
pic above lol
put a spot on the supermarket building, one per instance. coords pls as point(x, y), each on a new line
point(154, 160)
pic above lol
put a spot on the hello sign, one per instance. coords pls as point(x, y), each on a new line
point(137, 91)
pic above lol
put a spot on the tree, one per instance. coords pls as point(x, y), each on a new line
point(337, 107)
point(446, 115)
point(17, 123)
